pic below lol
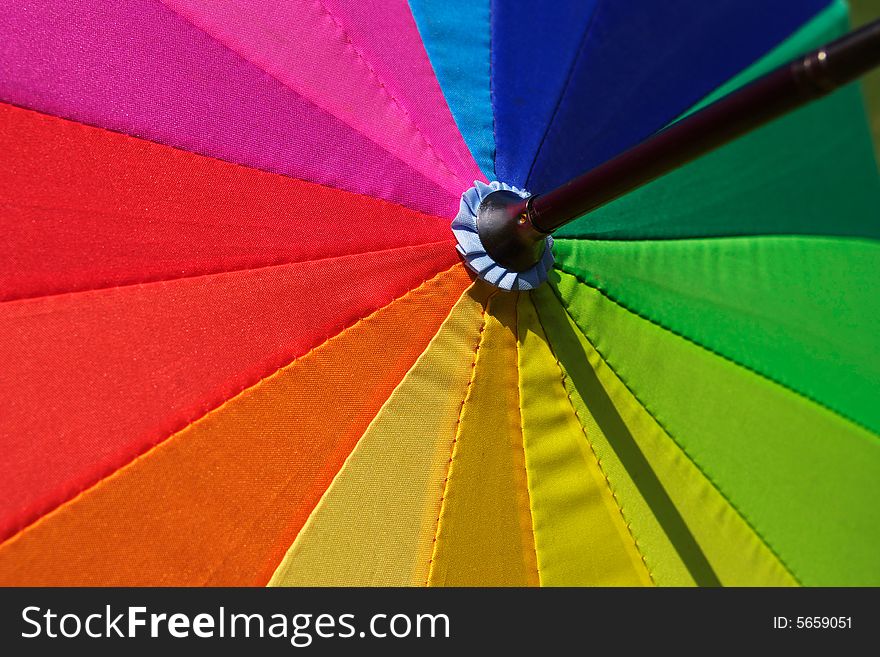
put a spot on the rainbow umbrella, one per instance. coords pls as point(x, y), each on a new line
point(239, 345)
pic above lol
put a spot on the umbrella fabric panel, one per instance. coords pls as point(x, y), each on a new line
point(136, 67)
point(303, 45)
point(253, 468)
point(581, 535)
point(688, 532)
point(376, 523)
point(357, 434)
point(484, 534)
point(685, 50)
point(92, 379)
point(591, 401)
point(799, 474)
point(85, 208)
point(387, 36)
point(534, 46)
point(772, 304)
point(456, 35)
point(755, 184)
point(829, 24)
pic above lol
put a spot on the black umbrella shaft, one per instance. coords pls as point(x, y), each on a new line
point(771, 96)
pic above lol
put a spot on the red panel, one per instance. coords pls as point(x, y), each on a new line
point(220, 502)
point(84, 208)
point(92, 379)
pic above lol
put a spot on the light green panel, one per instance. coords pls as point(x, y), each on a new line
point(804, 478)
point(803, 311)
point(687, 531)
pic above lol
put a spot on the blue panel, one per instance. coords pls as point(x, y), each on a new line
point(534, 45)
point(456, 36)
point(644, 62)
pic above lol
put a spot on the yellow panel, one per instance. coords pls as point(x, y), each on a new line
point(220, 502)
point(708, 535)
point(580, 534)
point(375, 524)
point(663, 561)
point(484, 534)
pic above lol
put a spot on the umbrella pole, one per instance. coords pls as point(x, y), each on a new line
point(788, 87)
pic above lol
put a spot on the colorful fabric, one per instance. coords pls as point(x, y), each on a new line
point(139, 68)
point(736, 426)
point(616, 94)
point(581, 535)
point(457, 37)
point(239, 346)
point(237, 536)
point(686, 530)
point(375, 524)
point(484, 531)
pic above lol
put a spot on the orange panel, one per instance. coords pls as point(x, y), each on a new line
point(220, 502)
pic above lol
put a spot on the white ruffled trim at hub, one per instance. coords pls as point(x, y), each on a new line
point(464, 226)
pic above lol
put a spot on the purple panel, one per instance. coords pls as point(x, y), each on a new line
point(136, 67)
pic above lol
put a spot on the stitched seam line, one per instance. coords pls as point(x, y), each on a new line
point(748, 368)
point(492, 95)
point(453, 449)
point(584, 38)
point(414, 215)
point(696, 463)
point(522, 427)
point(240, 57)
point(277, 371)
point(382, 87)
point(219, 273)
point(611, 490)
point(522, 446)
point(155, 143)
point(225, 559)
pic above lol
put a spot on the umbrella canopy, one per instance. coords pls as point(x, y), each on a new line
point(240, 347)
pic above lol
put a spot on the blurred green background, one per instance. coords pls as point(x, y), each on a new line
point(864, 11)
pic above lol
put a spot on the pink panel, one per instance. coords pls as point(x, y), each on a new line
point(306, 47)
point(383, 31)
point(137, 67)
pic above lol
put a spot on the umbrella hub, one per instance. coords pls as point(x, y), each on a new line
point(497, 240)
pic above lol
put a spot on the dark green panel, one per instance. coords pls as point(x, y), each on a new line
point(812, 172)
